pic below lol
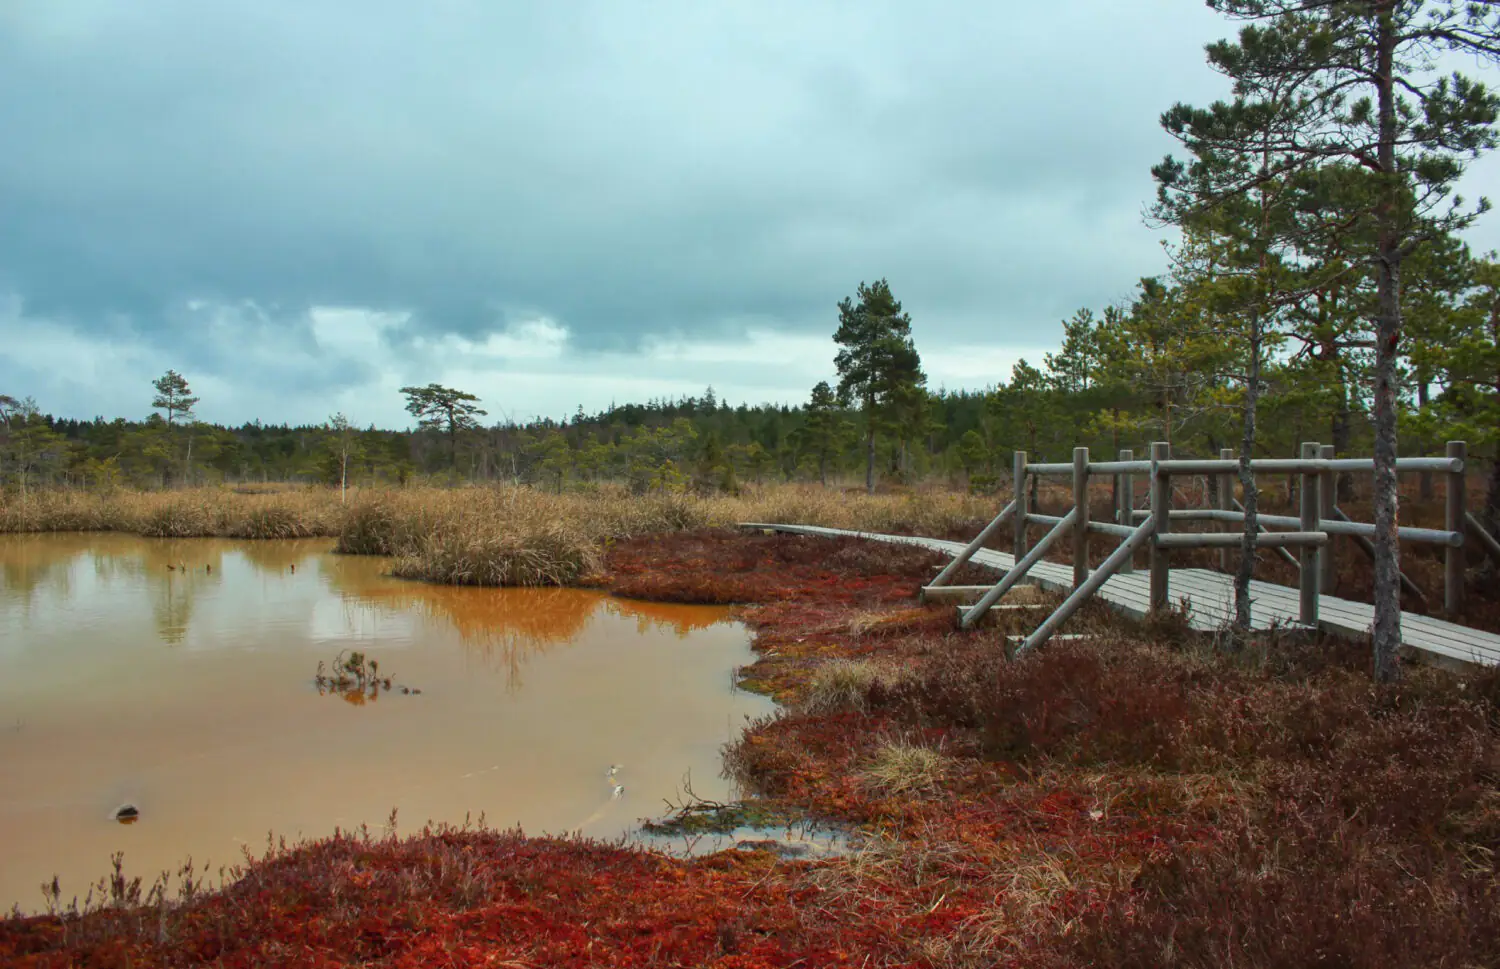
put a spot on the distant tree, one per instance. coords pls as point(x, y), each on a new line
point(345, 446)
point(820, 435)
point(173, 396)
point(29, 445)
point(1074, 366)
point(443, 409)
point(878, 364)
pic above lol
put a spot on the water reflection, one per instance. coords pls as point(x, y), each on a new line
point(188, 693)
point(28, 562)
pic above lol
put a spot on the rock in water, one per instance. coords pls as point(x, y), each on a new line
point(127, 813)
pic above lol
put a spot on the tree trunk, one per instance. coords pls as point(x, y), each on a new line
point(823, 468)
point(1387, 633)
point(1246, 570)
point(870, 459)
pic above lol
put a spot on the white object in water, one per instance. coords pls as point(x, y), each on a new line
point(619, 791)
point(613, 770)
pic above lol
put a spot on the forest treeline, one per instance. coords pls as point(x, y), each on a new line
point(1146, 369)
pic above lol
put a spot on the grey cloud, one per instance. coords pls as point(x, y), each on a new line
point(624, 169)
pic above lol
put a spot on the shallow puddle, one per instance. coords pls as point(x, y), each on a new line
point(178, 677)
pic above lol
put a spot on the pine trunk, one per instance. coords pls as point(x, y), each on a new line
point(1387, 632)
point(870, 459)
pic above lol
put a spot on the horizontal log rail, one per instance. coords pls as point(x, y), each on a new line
point(1333, 526)
point(1181, 466)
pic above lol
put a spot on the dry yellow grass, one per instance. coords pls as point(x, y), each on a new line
point(495, 535)
point(844, 684)
point(903, 768)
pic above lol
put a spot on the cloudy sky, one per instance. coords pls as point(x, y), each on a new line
point(303, 205)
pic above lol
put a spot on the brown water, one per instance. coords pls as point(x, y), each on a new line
point(189, 694)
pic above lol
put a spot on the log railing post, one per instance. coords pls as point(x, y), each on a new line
point(1081, 523)
point(1311, 508)
point(1453, 558)
point(1023, 504)
point(1327, 501)
point(1226, 503)
point(1161, 506)
point(1125, 512)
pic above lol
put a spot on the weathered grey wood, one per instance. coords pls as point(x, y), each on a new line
point(1226, 495)
point(1327, 575)
point(1161, 506)
point(1454, 565)
point(1110, 528)
point(984, 536)
point(1308, 556)
point(1486, 540)
point(1298, 466)
point(1087, 588)
point(1081, 520)
point(1343, 526)
point(1230, 540)
point(1022, 503)
point(968, 617)
point(1123, 513)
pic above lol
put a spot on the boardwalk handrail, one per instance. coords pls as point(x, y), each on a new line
point(1333, 526)
point(1070, 605)
point(967, 617)
point(963, 557)
point(1180, 466)
point(1309, 532)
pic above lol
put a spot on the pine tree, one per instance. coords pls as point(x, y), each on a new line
point(878, 364)
point(442, 408)
point(1367, 95)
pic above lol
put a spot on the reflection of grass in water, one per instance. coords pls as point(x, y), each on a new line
point(27, 563)
point(276, 556)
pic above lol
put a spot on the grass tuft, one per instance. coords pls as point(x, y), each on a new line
point(903, 768)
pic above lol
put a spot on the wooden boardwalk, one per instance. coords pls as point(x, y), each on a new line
point(1210, 600)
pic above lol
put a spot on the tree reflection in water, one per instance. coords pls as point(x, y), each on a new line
point(505, 627)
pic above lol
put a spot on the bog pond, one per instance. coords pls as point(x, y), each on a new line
point(178, 677)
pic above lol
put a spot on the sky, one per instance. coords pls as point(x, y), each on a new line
point(304, 206)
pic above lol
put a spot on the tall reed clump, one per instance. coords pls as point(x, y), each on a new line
point(505, 536)
point(62, 511)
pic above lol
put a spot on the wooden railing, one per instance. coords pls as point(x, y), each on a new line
point(1309, 533)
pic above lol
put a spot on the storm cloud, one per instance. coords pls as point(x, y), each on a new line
point(303, 206)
